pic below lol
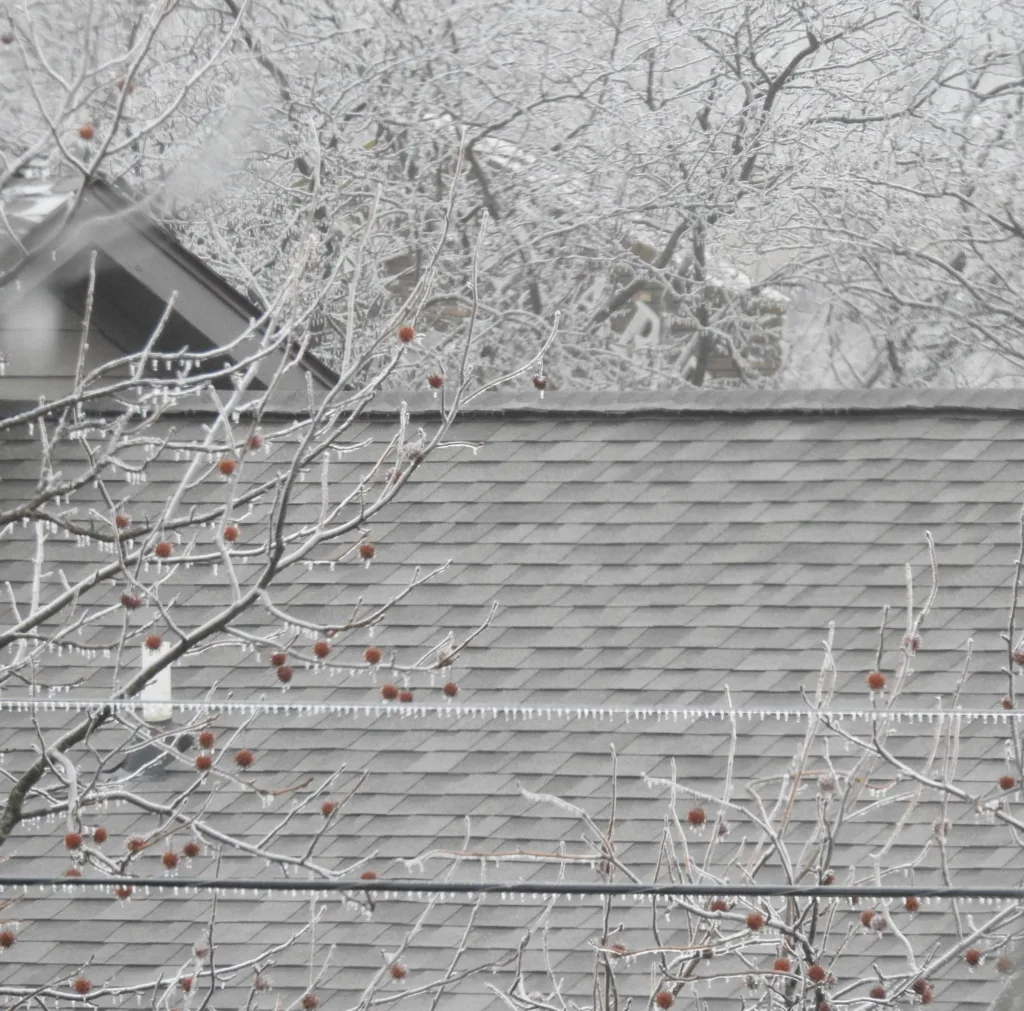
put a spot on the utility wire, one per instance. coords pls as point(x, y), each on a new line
point(547, 890)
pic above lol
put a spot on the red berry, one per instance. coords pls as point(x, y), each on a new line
point(816, 973)
point(696, 816)
point(135, 844)
point(73, 840)
point(911, 904)
point(122, 521)
point(973, 956)
point(540, 381)
point(877, 992)
point(206, 739)
point(284, 674)
point(322, 648)
point(163, 549)
point(130, 602)
point(185, 983)
point(829, 879)
point(920, 986)
point(451, 689)
point(389, 692)
point(755, 921)
point(1004, 964)
point(719, 906)
point(153, 642)
point(372, 655)
point(7, 938)
point(664, 999)
point(1007, 702)
point(782, 965)
point(170, 859)
point(191, 849)
point(261, 982)
point(435, 381)
point(327, 808)
point(100, 835)
point(405, 695)
point(310, 1002)
point(244, 758)
point(1007, 782)
point(367, 551)
point(255, 441)
point(406, 334)
point(226, 467)
point(398, 971)
point(123, 891)
point(876, 680)
point(72, 872)
point(1018, 657)
point(279, 659)
point(86, 131)
point(368, 876)
point(231, 534)
point(82, 985)
point(913, 643)
point(867, 916)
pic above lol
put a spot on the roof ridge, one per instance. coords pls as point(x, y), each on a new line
point(645, 403)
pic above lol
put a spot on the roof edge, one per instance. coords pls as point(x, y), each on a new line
point(688, 403)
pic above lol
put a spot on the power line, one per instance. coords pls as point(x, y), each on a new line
point(400, 886)
point(637, 714)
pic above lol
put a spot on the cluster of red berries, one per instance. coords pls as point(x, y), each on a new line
point(406, 334)
point(310, 1002)
point(373, 655)
point(876, 680)
point(878, 992)
point(367, 551)
point(153, 641)
point(398, 971)
point(782, 965)
point(7, 938)
point(130, 602)
point(163, 549)
point(973, 956)
point(327, 808)
point(321, 649)
point(911, 903)
point(231, 533)
point(664, 999)
point(817, 973)
point(81, 986)
point(755, 921)
point(924, 990)
point(696, 816)
point(435, 381)
point(226, 467)
point(244, 758)
point(1007, 782)
point(204, 762)
point(1018, 657)
point(719, 906)
point(123, 891)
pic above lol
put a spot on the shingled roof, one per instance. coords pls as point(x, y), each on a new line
point(647, 556)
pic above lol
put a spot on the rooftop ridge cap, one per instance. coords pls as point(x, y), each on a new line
point(630, 404)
